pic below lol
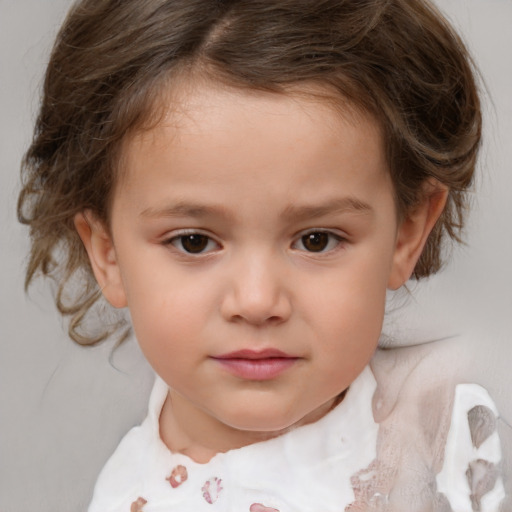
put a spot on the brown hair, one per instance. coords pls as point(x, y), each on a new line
point(398, 60)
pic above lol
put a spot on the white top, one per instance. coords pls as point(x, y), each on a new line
point(322, 467)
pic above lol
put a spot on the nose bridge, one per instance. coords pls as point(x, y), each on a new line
point(258, 291)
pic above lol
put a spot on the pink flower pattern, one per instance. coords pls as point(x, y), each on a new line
point(258, 507)
point(138, 505)
point(211, 490)
point(178, 476)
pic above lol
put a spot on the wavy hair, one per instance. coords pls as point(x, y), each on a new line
point(398, 60)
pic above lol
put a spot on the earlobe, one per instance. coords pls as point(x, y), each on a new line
point(100, 249)
point(413, 233)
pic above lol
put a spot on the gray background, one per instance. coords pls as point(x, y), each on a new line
point(63, 408)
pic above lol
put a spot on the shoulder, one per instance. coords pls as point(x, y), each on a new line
point(423, 405)
point(119, 475)
point(471, 476)
point(120, 478)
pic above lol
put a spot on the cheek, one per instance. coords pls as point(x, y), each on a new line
point(164, 317)
point(169, 312)
point(348, 310)
point(354, 295)
point(350, 326)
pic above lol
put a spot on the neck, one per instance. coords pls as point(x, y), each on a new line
point(193, 432)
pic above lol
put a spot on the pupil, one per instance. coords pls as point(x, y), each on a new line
point(315, 242)
point(194, 243)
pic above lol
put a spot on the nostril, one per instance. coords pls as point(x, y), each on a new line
point(257, 298)
point(275, 319)
point(256, 320)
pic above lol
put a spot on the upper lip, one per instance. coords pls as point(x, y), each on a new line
point(268, 353)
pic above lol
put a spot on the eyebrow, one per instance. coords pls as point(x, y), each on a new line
point(183, 209)
point(291, 212)
point(339, 205)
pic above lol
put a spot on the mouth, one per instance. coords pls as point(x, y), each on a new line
point(256, 364)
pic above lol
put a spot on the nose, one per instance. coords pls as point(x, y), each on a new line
point(257, 293)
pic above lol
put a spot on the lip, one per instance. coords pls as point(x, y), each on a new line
point(256, 364)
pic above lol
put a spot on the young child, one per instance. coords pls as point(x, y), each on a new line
point(249, 178)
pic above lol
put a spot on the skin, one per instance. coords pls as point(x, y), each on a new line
point(251, 175)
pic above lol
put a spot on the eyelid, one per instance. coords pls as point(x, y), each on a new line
point(174, 235)
point(340, 237)
point(338, 233)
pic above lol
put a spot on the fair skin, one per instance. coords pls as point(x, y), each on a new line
point(253, 237)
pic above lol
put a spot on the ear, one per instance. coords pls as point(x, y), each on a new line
point(414, 230)
point(102, 255)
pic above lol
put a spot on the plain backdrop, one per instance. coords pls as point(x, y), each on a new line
point(64, 408)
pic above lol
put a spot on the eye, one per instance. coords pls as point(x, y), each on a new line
point(193, 243)
point(318, 241)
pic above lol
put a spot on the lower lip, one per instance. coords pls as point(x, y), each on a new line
point(257, 369)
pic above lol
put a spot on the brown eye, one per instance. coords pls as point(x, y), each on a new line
point(318, 242)
point(315, 242)
point(195, 243)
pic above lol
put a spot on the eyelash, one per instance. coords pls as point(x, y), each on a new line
point(177, 240)
point(204, 241)
point(332, 238)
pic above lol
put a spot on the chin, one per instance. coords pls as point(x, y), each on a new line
point(267, 422)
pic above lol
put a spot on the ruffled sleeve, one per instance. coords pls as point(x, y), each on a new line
point(471, 475)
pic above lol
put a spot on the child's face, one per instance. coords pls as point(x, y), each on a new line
point(254, 237)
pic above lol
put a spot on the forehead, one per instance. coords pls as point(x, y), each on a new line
point(206, 115)
point(237, 150)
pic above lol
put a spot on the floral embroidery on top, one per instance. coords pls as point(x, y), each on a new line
point(138, 505)
point(258, 507)
point(481, 476)
point(370, 486)
point(211, 490)
point(482, 424)
point(178, 475)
